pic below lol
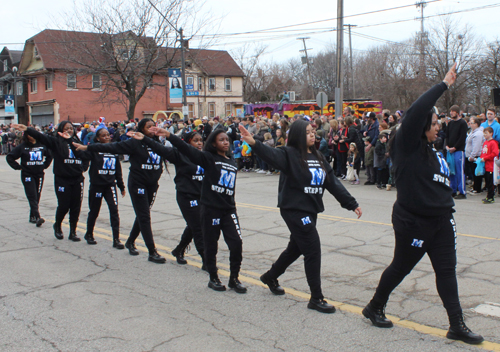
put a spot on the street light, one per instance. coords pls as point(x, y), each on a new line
point(14, 74)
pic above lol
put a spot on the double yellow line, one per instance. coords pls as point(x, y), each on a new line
point(254, 278)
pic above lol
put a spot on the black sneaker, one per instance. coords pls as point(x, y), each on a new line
point(236, 285)
point(377, 317)
point(179, 256)
point(367, 183)
point(156, 258)
point(39, 222)
point(131, 248)
point(488, 201)
point(216, 285)
point(321, 306)
point(32, 220)
point(460, 196)
point(58, 231)
point(89, 238)
point(273, 284)
point(117, 244)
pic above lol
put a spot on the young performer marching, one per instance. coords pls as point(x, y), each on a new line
point(218, 208)
point(304, 175)
point(32, 154)
point(188, 180)
point(105, 174)
point(68, 174)
point(145, 171)
point(423, 214)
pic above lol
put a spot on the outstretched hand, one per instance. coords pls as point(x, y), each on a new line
point(451, 76)
point(19, 127)
point(136, 135)
point(65, 135)
point(358, 212)
point(246, 136)
point(161, 132)
point(79, 147)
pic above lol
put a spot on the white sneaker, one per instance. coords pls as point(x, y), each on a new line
point(261, 172)
point(269, 173)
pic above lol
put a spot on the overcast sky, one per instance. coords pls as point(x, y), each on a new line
point(31, 16)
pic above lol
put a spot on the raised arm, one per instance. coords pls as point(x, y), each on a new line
point(168, 153)
point(414, 120)
point(49, 141)
point(125, 147)
point(196, 156)
point(276, 157)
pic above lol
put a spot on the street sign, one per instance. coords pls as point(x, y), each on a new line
point(194, 93)
point(189, 86)
point(185, 110)
point(321, 100)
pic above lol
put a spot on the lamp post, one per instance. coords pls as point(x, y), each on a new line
point(14, 74)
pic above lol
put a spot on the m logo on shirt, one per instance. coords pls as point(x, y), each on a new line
point(417, 243)
point(109, 163)
point(194, 203)
point(140, 190)
point(318, 176)
point(215, 222)
point(98, 195)
point(154, 158)
point(71, 155)
point(36, 155)
point(200, 170)
point(227, 178)
point(306, 220)
point(61, 189)
point(445, 170)
point(27, 179)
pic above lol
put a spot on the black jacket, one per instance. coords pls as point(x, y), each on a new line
point(422, 174)
point(32, 158)
point(105, 169)
point(302, 188)
point(219, 183)
point(188, 176)
point(67, 161)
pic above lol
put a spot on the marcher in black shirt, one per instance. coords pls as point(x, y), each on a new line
point(145, 171)
point(188, 181)
point(105, 174)
point(68, 174)
point(218, 208)
point(304, 176)
point(422, 215)
point(32, 154)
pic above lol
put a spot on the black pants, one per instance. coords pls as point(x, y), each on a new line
point(143, 198)
point(490, 186)
point(214, 220)
point(190, 209)
point(415, 236)
point(96, 194)
point(342, 163)
point(382, 176)
point(304, 239)
point(69, 194)
point(33, 188)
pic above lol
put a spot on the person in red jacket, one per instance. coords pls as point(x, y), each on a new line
point(488, 154)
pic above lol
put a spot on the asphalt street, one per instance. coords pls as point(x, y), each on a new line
point(64, 296)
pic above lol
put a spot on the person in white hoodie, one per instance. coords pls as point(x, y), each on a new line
point(473, 147)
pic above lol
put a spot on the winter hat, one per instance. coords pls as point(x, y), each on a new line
point(236, 143)
point(101, 126)
point(455, 108)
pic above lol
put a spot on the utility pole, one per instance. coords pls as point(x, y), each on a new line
point(339, 98)
point(185, 111)
point(350, 57)
point(423, 36)
point(308, 65)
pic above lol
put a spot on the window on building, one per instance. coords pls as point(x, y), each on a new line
point(190, 111)
point(19, 88)
point(211, 109)
point(200, 84)
point(96, 81)
point(71, 81)
point(228, 109)
point(227, 84)
point(48, 82)
point(211, 83)
point(189, 82)
point(200, 110)
point(1, 89)
point(34, 85)
point(5, 65)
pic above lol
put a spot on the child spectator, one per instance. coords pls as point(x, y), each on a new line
point(246, 157)
point(280, 139)
point(490, 151)
point(354, 161)
point(237, 154)
point(380, 161)
point(269, 141)
point(370, 170)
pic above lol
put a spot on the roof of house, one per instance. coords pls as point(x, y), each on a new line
point(70, 50)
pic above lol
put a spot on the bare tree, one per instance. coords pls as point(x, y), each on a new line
point(128, 43)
